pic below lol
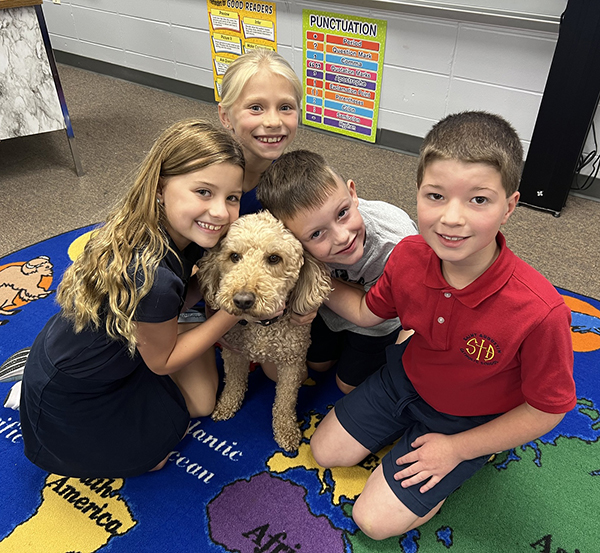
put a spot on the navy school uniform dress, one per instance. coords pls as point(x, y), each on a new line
point(89, 409)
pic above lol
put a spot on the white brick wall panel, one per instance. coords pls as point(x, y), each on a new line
point(188, 13)
point(99, 27)
point(516, 60)
point(65, 44)
point(191, 46)
point(149, 38)
point(100, 5)
point(195, 75)
point(403, 123)
point(107, 54)
point(155, 10)
point(414, 92)
point(59, 20)
point(420, 44)
point(285, 26)
point(154, 66)
point(517, 106)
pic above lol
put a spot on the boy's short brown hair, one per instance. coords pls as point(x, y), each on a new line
point(299, 180)
point(475, 137)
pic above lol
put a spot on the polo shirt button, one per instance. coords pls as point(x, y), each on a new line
point(441, 320)
point(447, 294)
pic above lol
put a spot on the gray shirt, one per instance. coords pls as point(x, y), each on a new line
point(385, 226)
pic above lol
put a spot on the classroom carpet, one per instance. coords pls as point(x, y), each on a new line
point(228, 487)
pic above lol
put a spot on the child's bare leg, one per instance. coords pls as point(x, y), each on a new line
point(270, 370)
point(346, 388)
point(333, 446)
point(199, 381)
point(380, 514)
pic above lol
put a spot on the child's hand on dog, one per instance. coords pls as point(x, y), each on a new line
point(307, 318)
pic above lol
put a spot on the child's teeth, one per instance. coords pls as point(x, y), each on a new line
point(210, 227)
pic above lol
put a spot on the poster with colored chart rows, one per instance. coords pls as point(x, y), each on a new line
point(343, 65)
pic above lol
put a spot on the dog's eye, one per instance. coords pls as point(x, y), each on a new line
point(274, 259)
point(235, 257)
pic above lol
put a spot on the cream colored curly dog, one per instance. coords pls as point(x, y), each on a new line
point(258, 268)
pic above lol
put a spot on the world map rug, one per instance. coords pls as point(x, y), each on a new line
point(228, 487)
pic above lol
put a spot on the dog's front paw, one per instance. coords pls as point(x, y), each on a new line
point(288, 435)
point(223, 411)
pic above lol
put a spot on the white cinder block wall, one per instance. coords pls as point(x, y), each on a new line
point(432, 66)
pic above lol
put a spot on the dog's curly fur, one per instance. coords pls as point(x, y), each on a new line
point(258, 268)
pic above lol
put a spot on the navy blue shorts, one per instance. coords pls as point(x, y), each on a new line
point(358, 355)
point(386, 408)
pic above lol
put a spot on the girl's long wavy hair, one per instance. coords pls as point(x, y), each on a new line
point(100, 288)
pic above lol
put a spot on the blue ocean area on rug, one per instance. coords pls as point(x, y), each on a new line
point(228, 487)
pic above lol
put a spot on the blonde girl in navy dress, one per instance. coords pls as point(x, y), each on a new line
point(111, 381)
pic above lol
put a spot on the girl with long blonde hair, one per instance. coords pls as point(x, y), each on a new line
point(111, 382)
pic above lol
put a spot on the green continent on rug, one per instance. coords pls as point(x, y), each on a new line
point(228, 487)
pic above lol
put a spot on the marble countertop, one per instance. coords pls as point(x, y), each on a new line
point(29, 100)
point(18, 3)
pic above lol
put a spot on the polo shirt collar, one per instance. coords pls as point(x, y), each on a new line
point(486, 285)
point(182, 262)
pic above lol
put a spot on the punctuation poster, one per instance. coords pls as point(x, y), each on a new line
point(343, 65)
point(236, 27)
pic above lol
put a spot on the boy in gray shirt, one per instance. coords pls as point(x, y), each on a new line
point(354, 238)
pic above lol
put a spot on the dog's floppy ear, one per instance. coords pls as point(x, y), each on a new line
point(208, 275)
point(313, 286)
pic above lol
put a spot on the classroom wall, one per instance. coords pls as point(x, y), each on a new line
point(432, 66)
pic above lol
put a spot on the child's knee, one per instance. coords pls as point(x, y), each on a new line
point(320, 452)
point(324, 454)
point(321, 366)
point(345, 388)
point(369, 521)
point(202, 411)
point(375, 526)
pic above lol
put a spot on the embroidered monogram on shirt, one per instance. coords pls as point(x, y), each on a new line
point(481, 349)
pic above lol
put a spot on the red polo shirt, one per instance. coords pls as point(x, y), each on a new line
point(503, 340)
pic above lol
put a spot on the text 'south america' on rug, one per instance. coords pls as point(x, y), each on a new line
point(228, 487)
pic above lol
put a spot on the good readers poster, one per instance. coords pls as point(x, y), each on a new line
point(236, 27)
point(343, 65)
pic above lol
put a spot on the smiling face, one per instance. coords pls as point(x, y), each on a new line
point(199, 206)
point(264, 118)
point(460, 208)
point(334, 232)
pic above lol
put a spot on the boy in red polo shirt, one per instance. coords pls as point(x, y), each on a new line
point(490, 365)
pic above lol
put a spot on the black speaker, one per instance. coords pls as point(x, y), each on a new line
point(566, 111)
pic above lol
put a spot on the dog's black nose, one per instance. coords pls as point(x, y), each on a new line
point(244, 300)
